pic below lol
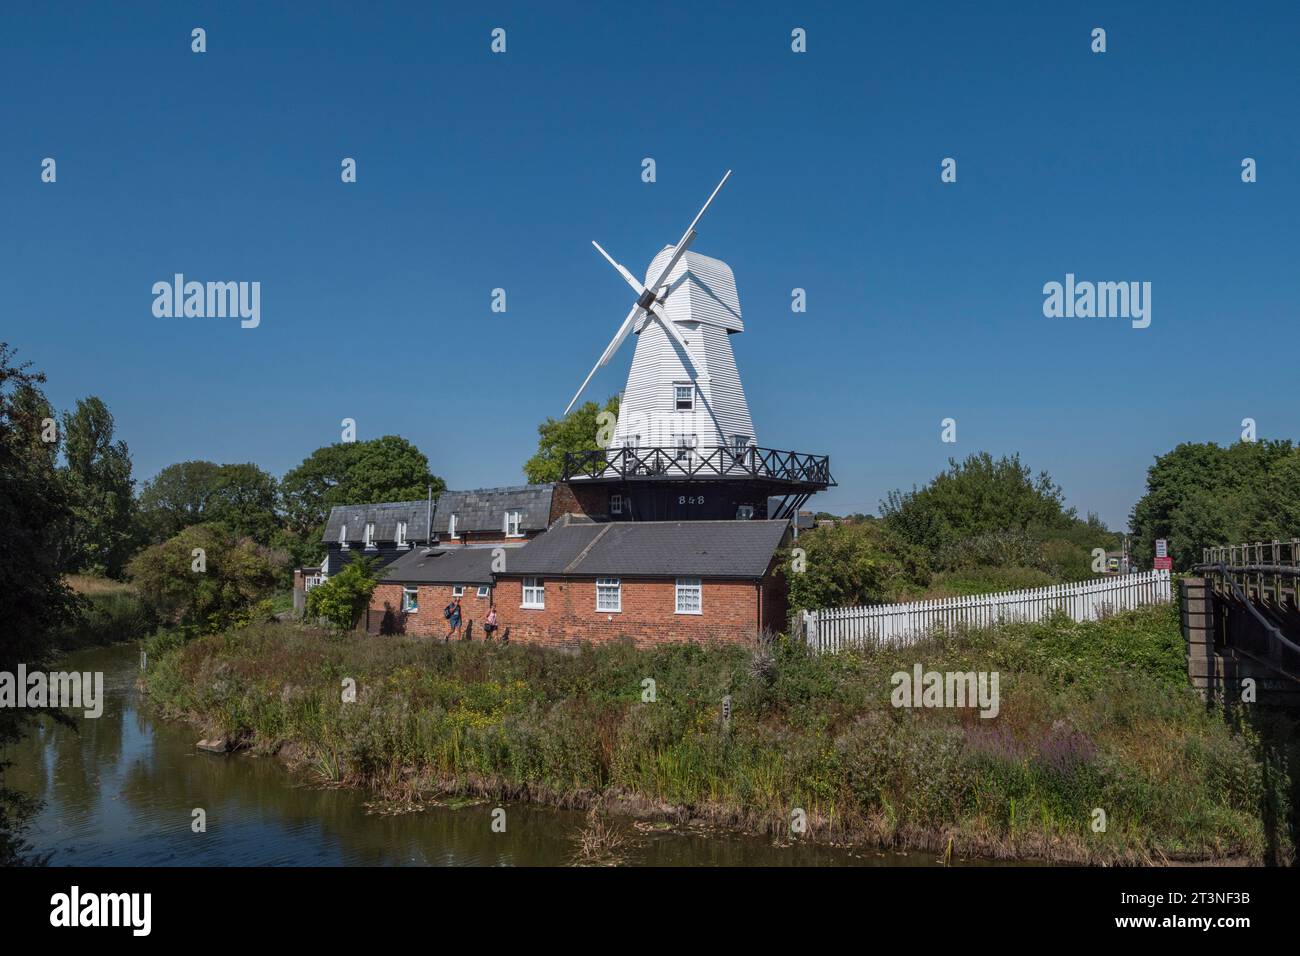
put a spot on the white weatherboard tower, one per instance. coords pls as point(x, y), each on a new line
point(683, 390)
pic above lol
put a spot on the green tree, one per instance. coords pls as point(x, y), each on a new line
point(576, 432)
point(849, 565)
point(206, 579)
point(242, 498)
point(176, 498)
point(97, 473)
point(354, 473)
point(976, 497)
point(1200, 495)
point(34, 601)
point(344, 596)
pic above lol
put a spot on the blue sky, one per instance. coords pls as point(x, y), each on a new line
point(478, 171)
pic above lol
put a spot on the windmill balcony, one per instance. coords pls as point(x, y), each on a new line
point(715, 463)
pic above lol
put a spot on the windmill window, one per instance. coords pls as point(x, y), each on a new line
point(609, 595)
point(745, 512)
point(410, 599)
point(739, 444)
point(616, 504)
point(684, 396)
point(685, 448)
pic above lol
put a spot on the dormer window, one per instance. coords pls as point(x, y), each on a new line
point(343, 537)
point(513, 519)
point(451, 526)
point(401, 534)
point(684, 397)
point(370, 536)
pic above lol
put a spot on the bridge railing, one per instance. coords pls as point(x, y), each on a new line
point(831, 629)
point(1267, 571)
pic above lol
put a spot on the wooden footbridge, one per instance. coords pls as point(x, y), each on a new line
point(1241, 621)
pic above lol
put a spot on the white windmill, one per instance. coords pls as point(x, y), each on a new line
point(683, 390)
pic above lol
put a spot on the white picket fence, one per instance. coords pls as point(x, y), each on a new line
point(831, 629)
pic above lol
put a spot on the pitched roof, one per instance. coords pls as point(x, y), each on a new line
point(484, 509)
point(706, 549)
point(441, 566)
point(384, 516)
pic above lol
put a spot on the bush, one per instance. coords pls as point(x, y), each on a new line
point(344, 596)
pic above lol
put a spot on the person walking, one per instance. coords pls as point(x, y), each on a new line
point(452, 613)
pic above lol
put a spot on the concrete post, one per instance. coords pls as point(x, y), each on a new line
point(1204, 670)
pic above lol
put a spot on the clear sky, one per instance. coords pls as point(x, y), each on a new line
point(478, 171)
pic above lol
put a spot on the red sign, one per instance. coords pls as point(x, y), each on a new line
point(1163, 564)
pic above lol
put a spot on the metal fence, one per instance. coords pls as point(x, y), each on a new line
point(830, 629)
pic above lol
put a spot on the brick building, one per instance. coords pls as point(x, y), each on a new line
point(415, 589)
point(582, 580)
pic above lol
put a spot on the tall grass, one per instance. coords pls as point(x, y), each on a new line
point(1093, 716)
point(107, 615)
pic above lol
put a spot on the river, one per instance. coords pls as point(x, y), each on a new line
point(121, 790)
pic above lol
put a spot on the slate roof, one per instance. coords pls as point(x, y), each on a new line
point(384, 516)
point(441, 566)
point(704, 549)
point(482, 509)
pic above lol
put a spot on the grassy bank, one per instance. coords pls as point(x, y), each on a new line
point(1093, 716)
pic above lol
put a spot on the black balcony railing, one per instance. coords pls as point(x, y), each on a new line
point(699, 464)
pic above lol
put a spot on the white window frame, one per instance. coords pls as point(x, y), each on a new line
point(401, 535)
point(484, 590)
point(537, 598)
point(739, 446)
point(458, 591)
point(744, 512)
point(410, 599)
point(616, 504)
point(604, 586)
point(343, 537)
point(677, 399)
point(514, 518)
point(370, 536)
point(451, 527)
point(685, 586)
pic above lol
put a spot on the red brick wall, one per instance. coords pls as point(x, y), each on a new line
point(776, 600)
point(730, 613)
point(579, 500)
point(428, 620)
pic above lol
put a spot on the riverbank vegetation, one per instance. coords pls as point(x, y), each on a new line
point(108, 612)
point(1093, 717)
